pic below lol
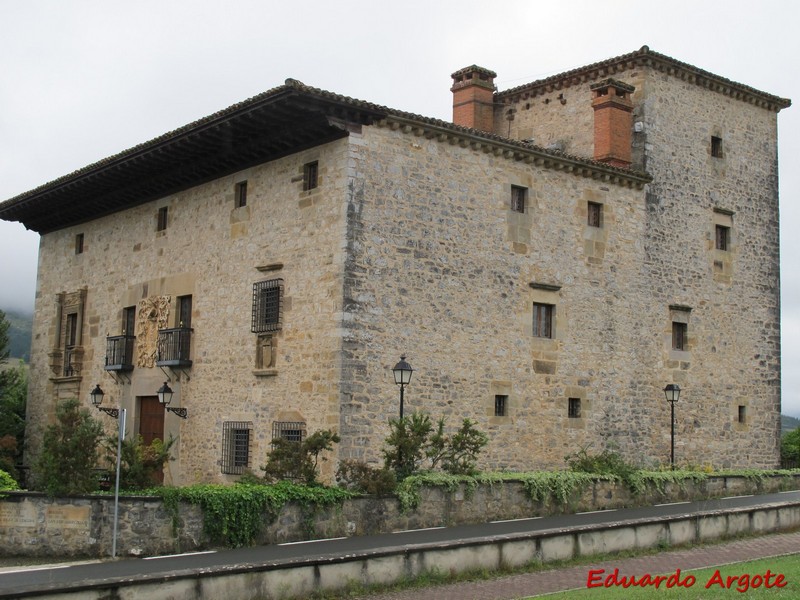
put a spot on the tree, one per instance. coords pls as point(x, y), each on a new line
point(13, 395)
point(4, 325)
point(790, 449)
point(69, 452)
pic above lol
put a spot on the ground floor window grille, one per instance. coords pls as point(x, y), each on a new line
point(291, 431)
point(236, 446)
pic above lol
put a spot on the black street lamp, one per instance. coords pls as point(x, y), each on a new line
point(97, 399)
point(672, 392)
point(165, 397)
point(402, 377)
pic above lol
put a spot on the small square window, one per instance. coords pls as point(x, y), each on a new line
point(574, 408)
point(79, 244)
point(679, 336)
point(594, 214)
point(543, 320)
point(236, 446)
point(240, 193)
point(162, 218)
point(500, 405)
point(742, 414)
point(716, 147)
point(310, 176)
point(519, 197)
point(723, 237)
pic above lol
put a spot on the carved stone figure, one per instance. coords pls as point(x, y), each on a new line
point(152, 315)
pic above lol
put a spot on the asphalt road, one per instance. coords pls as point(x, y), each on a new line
point(58, 576)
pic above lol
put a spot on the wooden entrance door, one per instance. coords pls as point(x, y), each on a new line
point(151, 423)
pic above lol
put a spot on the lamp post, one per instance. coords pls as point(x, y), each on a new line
point(97, 399)
point(672, 392)
point(402, 376)
point(164, 394)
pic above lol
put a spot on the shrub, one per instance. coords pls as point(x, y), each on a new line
point(7, 482)
point(413, 439)
point(358, 476)
point(69, 452)
point(140, 463)
point(407, 444)
point(297, 461)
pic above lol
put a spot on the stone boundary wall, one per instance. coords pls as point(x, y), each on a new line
point(31, 524)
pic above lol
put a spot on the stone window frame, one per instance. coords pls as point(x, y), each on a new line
point(66, 357)
point(237, 440)
point(680, 334)
point(742, 414)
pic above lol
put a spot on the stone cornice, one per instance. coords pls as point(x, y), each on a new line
point(515, 150)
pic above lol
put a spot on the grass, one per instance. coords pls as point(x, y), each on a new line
point(716, 578)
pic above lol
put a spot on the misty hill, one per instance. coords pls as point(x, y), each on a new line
point(789, 423)
point(19, 334)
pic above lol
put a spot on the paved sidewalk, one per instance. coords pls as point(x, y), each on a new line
point(543, 582)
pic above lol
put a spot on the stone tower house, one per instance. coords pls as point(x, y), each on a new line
point(549, 262)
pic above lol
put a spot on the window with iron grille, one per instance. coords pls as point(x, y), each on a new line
point(310, 175)
point(679, 331)
point(236, 446)
point(292, 431)
point(241, 194)
point(716, 147)
point(518, 198)
point(267, 305)
point(500, 405)
point(574, 408)
point(722, 237)
point(543, 320)
point(163, 218)
point(595, 212)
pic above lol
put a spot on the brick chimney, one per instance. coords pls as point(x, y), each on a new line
point(473, 98)
point(612, 106)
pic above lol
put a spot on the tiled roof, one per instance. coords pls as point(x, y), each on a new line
point(646, 57)
point(195, 153)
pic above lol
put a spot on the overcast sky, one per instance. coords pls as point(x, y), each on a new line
point(81, 80)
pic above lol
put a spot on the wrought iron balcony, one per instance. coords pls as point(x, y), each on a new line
point(119, 352)
point(174, 346)
point(72, 361)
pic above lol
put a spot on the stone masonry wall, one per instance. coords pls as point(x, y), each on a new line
point(729, 298)
point(34, 525)
point(443, 272)
point(210, 250)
